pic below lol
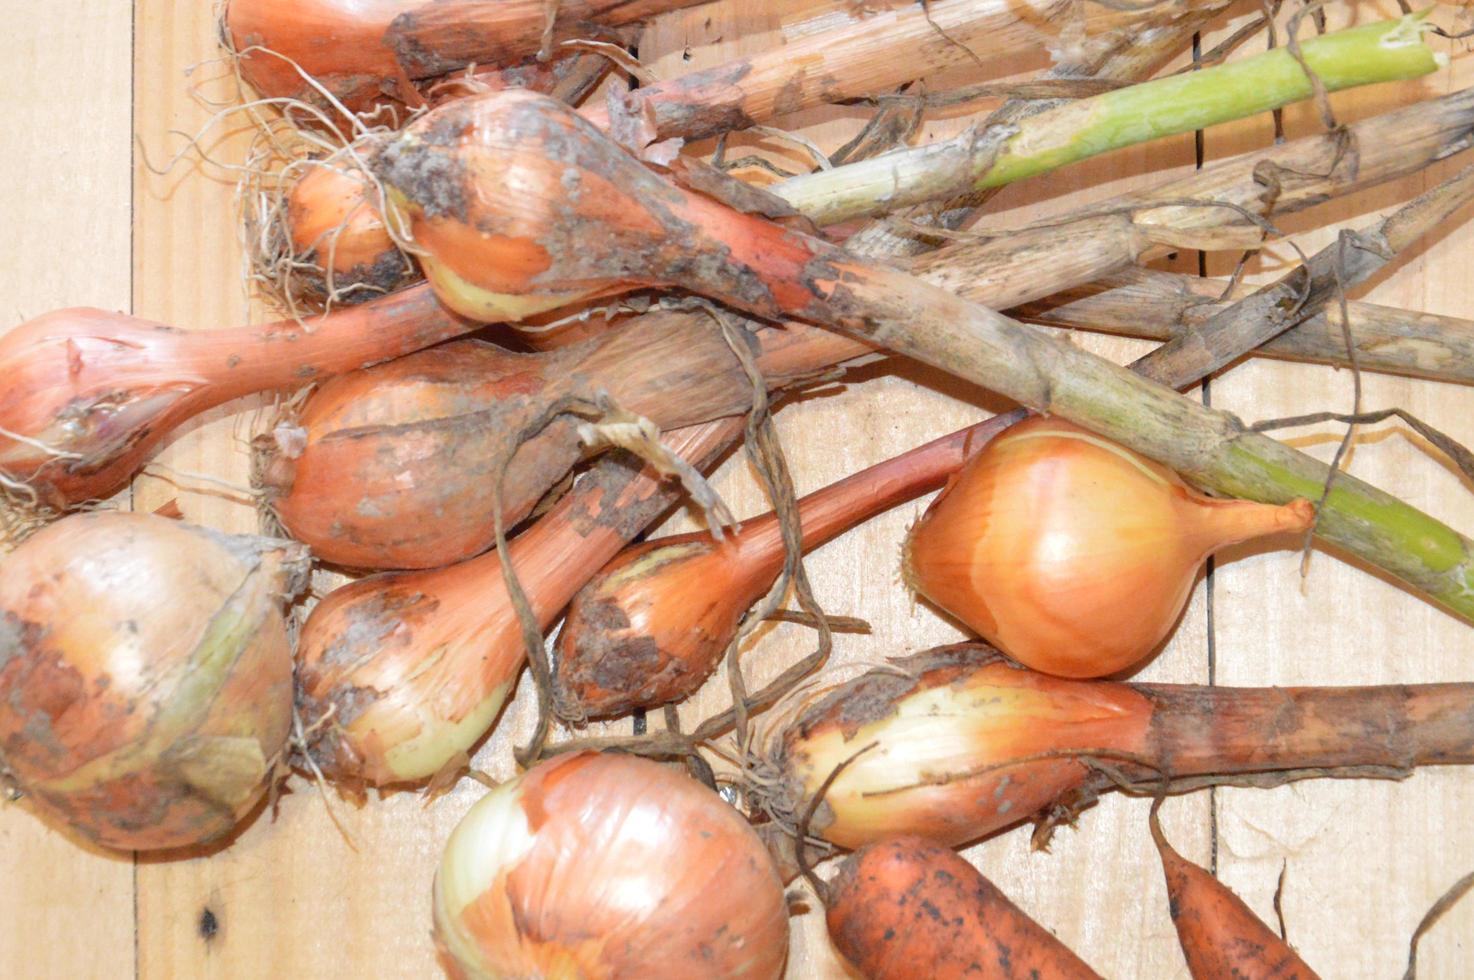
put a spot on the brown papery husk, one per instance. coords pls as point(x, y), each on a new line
point(400, 675)
point(369, 53)
point(869, 55)
point(652, 625)
point(604, 865)
point(1220, 935)
point(905, 901)
point(965, 743)
point(145, 675)
point(90, 394)
point(1071, 554)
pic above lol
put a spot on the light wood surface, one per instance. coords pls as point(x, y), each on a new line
point(292, 898)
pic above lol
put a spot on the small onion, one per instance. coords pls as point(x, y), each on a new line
point(145, 675)
point(332, 226)
point(1070, 553)
point(609, 866)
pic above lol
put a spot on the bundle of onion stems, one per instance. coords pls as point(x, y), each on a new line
point(463, 145)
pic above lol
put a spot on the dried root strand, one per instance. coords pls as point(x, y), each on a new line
point(22, 512)
point(1445, 902)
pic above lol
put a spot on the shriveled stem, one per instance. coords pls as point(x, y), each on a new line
point(869, 55)
point(1223, 206)
point(1162, 305)
point(1304, 291)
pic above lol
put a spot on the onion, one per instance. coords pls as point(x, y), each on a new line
point(399, 675)
point(338, 239)
point(1070, 553)
point(394, 462)
point(601, 865)
point(957, 743)
point(364, 52)
point(145, 675)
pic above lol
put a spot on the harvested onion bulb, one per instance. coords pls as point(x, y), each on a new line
point(1070, 553)
point(958, 743)
point(601, 865)
point(145, 675)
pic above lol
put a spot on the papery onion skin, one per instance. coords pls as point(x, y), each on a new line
point(961, 709)
point(367, 51)
point(905, 901)
point(1071, 554)
point(145, 675)
point(965, 743)
point(608, 866)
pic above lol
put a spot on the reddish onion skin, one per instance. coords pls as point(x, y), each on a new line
point(338, 42)
point(394, 462)
point(906, 901)
point(1071, 554)
point(93, 393)
point(145, 675)
point(608, 866)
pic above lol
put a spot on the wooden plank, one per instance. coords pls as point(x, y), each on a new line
point(1364, 859)
point(67, 169)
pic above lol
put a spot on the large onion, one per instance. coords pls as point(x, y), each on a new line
point(608, 866)
point(145, 675)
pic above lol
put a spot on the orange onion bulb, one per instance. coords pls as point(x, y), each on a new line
point(145, 675)
point(1070, 553)
point(603, 865)
point(338, 240)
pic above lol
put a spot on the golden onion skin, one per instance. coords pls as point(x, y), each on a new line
point(608, 867)
point(1072, 554)
point(145, 675)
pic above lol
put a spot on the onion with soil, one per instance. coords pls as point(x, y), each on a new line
point(145, 675)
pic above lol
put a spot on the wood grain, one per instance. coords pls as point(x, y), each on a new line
point(67, 169)
point(292, 897)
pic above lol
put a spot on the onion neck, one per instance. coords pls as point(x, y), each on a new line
point(1216, 524)
point(243, 360)
point(1201, 730)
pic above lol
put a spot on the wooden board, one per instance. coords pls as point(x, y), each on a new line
point(69, 211)
point(291, 897)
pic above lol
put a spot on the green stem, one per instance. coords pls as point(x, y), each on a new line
point(1380, 52)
